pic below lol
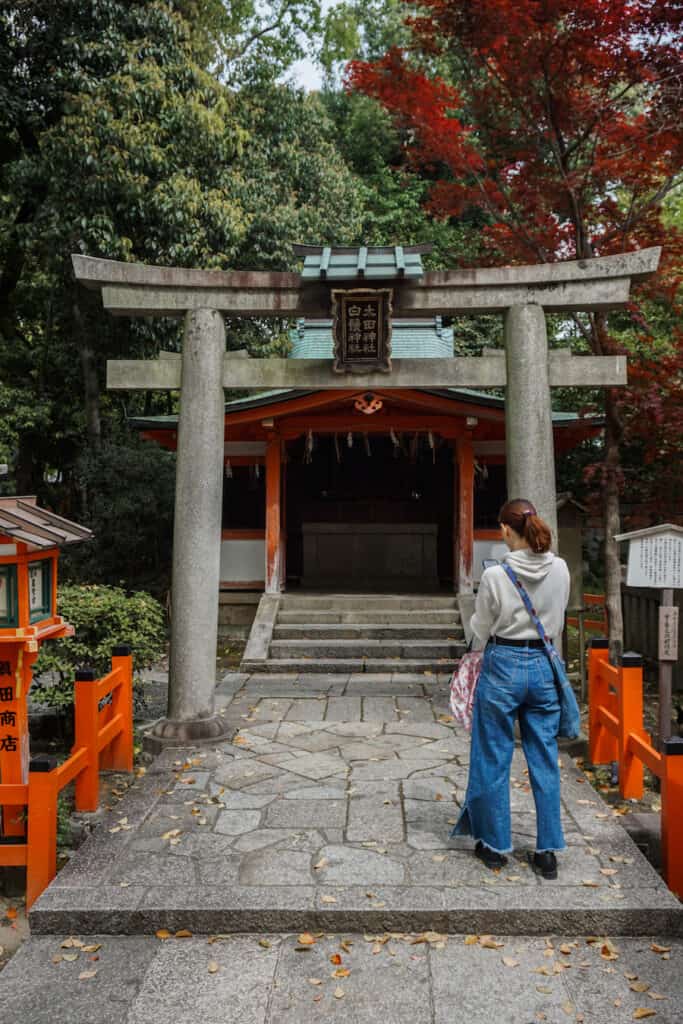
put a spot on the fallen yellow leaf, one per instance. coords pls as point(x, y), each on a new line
point(488, 942)
point(315, 981)
point(84, 975)
point(510, 962)
point(328, 899)
point(306, 939)
point(660, 949)
point(183, 934)
point(264, 943)
point(335, 958)
point(471, 940)
point(639, 986)
point(642, 1012)
point(163, 933)
point(339, 993)
point(341, 972)
point(93, 948)
point(212, 967)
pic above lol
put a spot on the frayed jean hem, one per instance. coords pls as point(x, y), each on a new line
point(463, 828)
point(552, 849)
point(508, 849)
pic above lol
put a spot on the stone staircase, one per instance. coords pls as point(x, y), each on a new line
point(343, 633)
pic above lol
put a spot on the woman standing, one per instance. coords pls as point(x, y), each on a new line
point(516, 681)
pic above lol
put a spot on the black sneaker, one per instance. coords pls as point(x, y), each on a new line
point(490, 858)
point(544, 864)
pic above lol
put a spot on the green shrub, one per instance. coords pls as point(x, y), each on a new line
point(103, 617)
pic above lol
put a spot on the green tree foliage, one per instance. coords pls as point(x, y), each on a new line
point(103, 617)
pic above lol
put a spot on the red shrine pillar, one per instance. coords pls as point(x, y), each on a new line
point(463, 520)
point(274, 560)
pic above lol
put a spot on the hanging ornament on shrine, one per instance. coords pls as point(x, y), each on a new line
point(228, 470)
point(308, 448)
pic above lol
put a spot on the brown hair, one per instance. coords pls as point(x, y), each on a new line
point(523, 518)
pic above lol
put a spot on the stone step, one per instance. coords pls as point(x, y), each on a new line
point(366, 631)
point(342, 665)
point(258, 909)
point(425, 617)
point(361, 648)
point(365, 602)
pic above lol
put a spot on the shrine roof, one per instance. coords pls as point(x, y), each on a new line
point(362, 262)
point(410, 339)
point(21, 518)
point(261, 399)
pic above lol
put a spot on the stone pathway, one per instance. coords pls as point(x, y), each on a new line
point(331, 808)
point(329, 814)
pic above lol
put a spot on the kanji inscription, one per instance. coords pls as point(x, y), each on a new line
point(656, 561)
point(362, 330)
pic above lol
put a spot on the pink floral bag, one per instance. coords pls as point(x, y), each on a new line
point(463, 687)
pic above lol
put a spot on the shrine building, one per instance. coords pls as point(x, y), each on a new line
point(394, 490)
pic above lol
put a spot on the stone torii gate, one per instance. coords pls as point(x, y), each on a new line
point(527, 369)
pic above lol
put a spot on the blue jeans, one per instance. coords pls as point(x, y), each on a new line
point(514, 682)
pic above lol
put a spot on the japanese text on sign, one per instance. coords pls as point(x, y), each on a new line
point(362, 329)
point(668, 633)
point(656, 561)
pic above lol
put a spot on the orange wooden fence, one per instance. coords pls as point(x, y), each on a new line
point(103, 739)
point(616, 733)
point(592, 601)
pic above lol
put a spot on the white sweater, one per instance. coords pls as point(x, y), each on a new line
point(499, 609)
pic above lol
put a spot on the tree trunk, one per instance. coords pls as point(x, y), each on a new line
point(613, 432)
point(91, 384)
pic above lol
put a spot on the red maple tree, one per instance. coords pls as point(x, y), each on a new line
point(559, 122)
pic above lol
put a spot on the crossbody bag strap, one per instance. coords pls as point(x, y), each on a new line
point(519, 586)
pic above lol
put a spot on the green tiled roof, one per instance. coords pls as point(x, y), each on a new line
point(361, 262)
point(410, 339)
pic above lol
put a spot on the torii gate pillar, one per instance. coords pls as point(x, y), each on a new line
point(197, 525)
point(529, 454)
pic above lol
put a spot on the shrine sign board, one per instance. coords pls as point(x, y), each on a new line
point(361, 329)
point(655, 557)
point(668, 633)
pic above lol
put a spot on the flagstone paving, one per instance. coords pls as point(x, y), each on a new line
point(312, 818)
point(426, 978)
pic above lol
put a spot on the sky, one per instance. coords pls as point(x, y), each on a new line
point(305, 73)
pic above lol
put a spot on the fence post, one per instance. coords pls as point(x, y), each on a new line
point(86, 728)
point(121, 750)
point(41, 855)
point(672, 814)
point(630, 702)
point(602, 747)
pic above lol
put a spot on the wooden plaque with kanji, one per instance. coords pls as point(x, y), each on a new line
point(361, 325)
